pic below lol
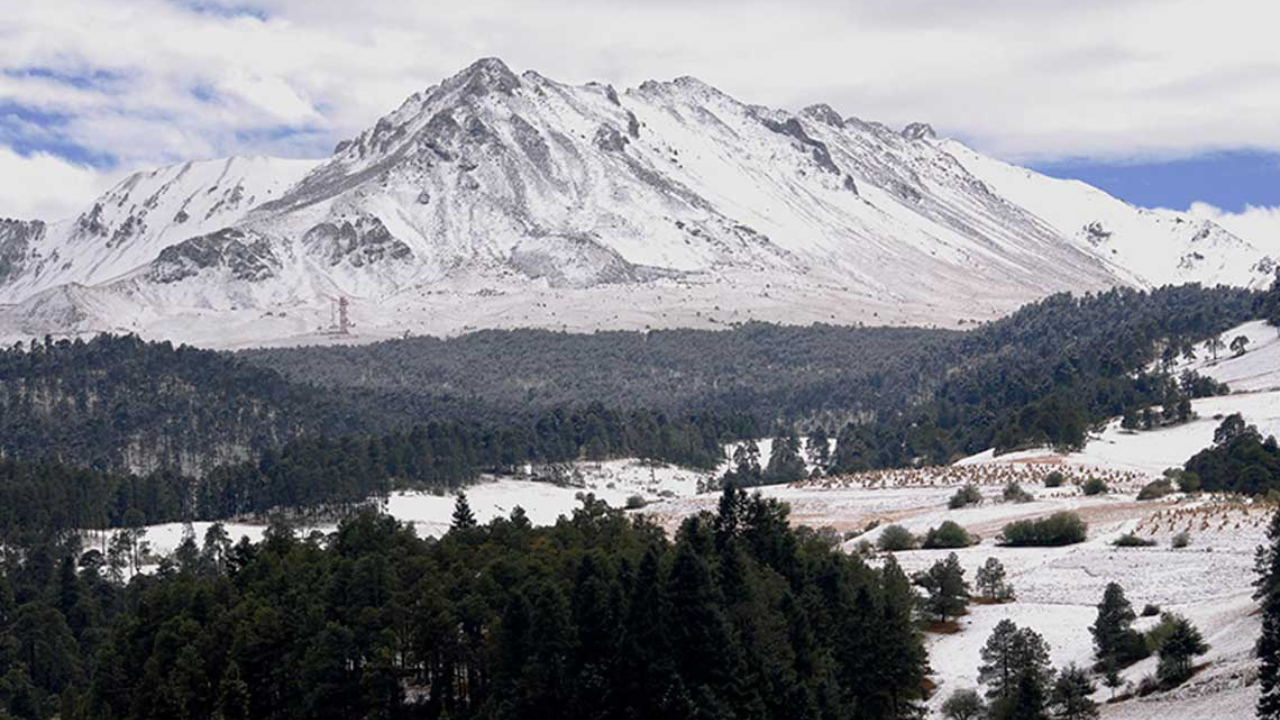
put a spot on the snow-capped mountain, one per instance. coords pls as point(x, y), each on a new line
point(499, 200)
point(1148, 246)
point(134, 221)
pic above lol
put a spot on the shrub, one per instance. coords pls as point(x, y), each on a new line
point(895, 538)
point(1131, 540)
point(1155, 490)
point(1180, 540)
point(1189, 482)
point(1094, 486)
point(1180, 643)
point(967, 495)
point(1013, 492)
point(1060, 528)
point(1055, 479)
point(1147, 685)
point(1156, 636)
point(964, 704)
point(948, 535)
point(1150, 610)
point(636, 502)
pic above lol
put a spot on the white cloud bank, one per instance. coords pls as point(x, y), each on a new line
point(1258, 225)
point(1021, 80)
point(46, 187)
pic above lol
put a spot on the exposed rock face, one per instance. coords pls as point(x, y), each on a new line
point(793, 128)
point(364, 242)
point(918, 131)
point(824, 114)
point(17, 237)
point(244, 256)
point(609, 138)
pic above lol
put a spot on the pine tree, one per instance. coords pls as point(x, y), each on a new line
point(1213, 345)
point(1177, 651)
point(1026, 702)
point(1239, 346)
point(1071, 695)
point(947, 589)
point(785, 462)
point(991, 581)
point(1267, 593)
point(1010, 653)
point(819, 447)
point(1115, 620)
point(463, 518)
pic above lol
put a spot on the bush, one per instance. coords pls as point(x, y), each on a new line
point(895, 538)
point(948, 535)
point(1094, 486)
point(1189, 482)
point(967, 495)
point(1150, 610)
point(1131, 540)
point(1131, 647)
point(1159, 632)
point(1155, 490)
point(1147, 685)
point(1060, 528)
point(1180, 540)
point(1055, 479)
point(636, 502)
point(1013, 492)
point(965, 704)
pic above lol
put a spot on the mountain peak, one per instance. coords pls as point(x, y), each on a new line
point(485, 75)
point(823, 113)
point(918, 131)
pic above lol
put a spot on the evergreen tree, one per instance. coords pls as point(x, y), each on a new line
point(1177, 651)
point(1213, 345)
point(1267, 593)
point(1009, 654)
point(991, 581)
point(1026, 702)
point(819, 448)
point(786, 464)
point(1239, 345)
point(1113, 625)
point(1071, 697)
point(948, 593)
point(463, 518)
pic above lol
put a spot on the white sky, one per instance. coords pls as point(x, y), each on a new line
point(1020, 79)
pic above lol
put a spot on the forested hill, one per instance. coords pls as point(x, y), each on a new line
point(792, 374)
point(771, 371)
point(121, 403)
point(902, 395)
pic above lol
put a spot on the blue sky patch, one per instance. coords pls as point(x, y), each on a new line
point(1229, 180)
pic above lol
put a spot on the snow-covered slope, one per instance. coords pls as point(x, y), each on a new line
point(501, 200)
point(132, 222)
point(1150, 247)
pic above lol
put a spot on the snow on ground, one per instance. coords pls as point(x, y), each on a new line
point(614, 481)
point(1152, 451)
point(1257, 369)
point(1057, 588)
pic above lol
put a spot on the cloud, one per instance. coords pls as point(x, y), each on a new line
point(45, 186)
point(1258, 225)
point(156, 81)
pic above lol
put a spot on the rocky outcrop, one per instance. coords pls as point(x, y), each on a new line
point(364, 242)
point(243, 255)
